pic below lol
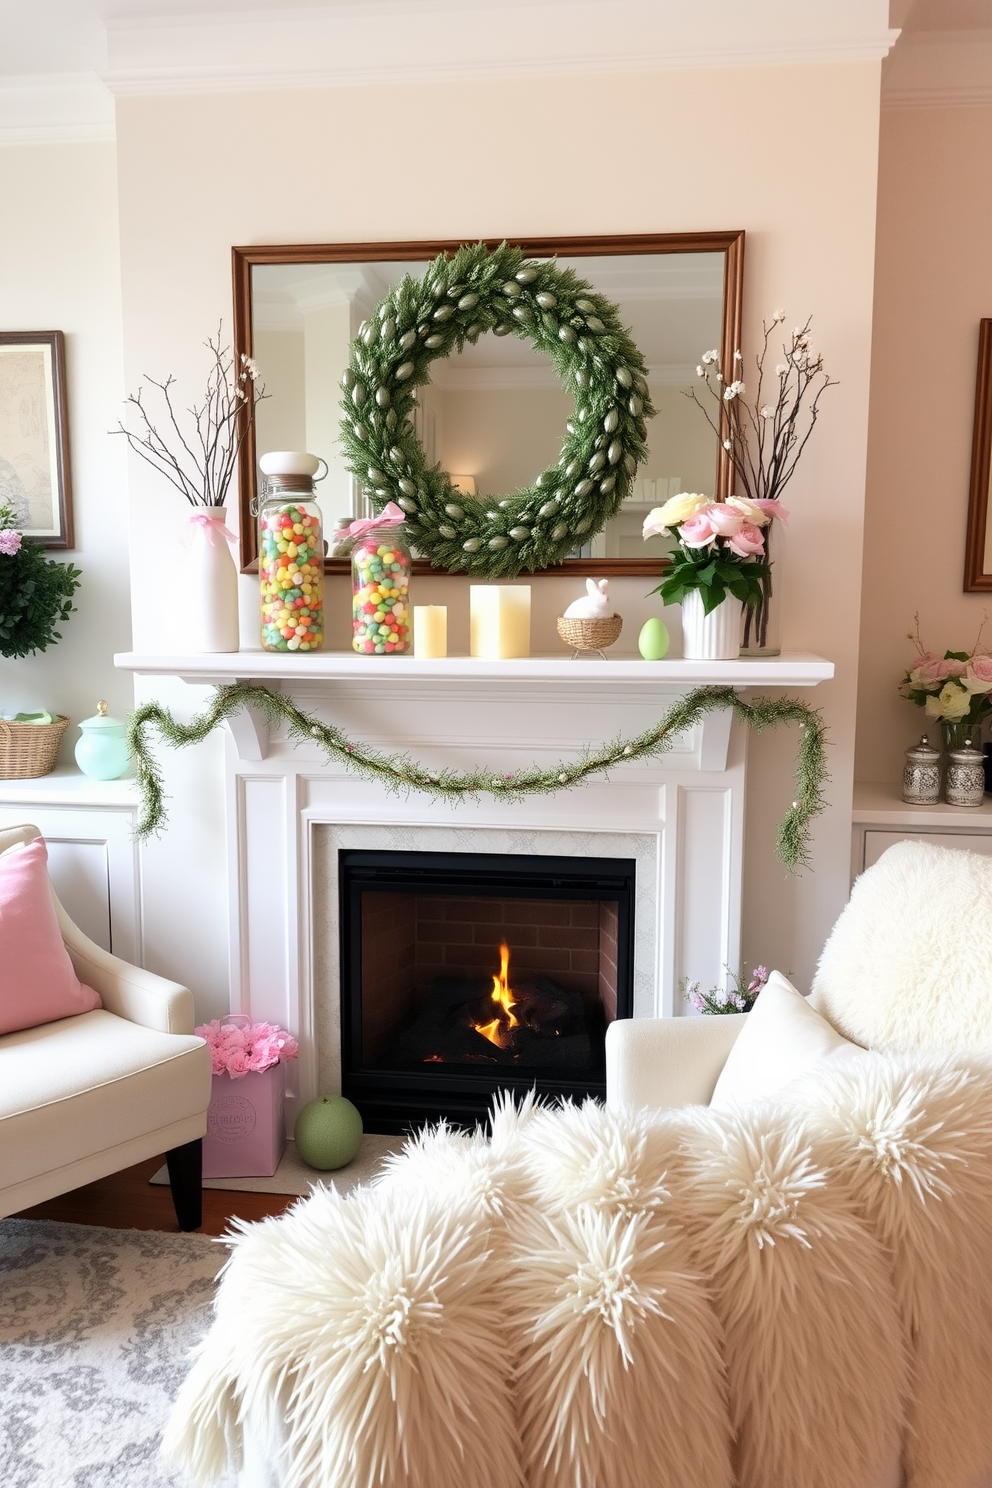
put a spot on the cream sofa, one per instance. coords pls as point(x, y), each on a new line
point(88, 1095)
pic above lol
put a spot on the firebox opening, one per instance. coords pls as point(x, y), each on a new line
point(466, 974)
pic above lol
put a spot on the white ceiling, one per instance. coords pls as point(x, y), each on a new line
point(62, 58)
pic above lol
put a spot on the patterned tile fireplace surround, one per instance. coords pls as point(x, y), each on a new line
point(290, 813)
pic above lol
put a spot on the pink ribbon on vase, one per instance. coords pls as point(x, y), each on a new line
point(773, 507)
point(390, 516)
point(214, 529)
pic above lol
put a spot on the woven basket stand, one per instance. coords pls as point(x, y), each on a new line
point(589, 635)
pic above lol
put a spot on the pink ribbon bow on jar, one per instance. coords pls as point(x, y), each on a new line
point(214, 529)
point(390, 516)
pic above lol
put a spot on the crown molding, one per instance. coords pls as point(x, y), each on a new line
point(55, 109)
point(406, 41)
point(939, 70)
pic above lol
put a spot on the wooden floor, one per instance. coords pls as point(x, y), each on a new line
point(127, 1201)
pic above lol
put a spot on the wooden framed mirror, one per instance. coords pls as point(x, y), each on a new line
point(495, 413)
point(978, 546)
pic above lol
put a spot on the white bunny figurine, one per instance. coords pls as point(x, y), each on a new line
point(594, 604)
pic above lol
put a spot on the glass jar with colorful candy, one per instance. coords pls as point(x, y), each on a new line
point(291, 553)
point(380, 581)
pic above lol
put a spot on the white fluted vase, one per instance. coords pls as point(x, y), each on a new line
point(712, 637)
point(211, 582)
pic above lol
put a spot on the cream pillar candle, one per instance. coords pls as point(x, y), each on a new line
point(430, 630)
point(499, 617)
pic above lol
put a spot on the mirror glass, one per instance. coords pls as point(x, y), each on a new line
point(494, 414)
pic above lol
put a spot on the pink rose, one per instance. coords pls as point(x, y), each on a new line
point(237, 1063)
point(978, 674)
point(934, 670)
point(748, 542)
point(698, 531)
point(724, 519)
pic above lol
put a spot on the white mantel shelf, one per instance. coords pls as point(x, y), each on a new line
point(792, 669)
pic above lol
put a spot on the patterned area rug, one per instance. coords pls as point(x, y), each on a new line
point(95, 1331)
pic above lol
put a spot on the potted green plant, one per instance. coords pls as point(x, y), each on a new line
point(35, 597)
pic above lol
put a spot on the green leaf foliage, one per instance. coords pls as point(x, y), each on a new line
point(35, 597)
point(715, 574)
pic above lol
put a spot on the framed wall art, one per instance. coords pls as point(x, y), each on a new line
point(978, 549)
point(34, 435)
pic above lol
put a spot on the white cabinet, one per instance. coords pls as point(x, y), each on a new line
point(881, 818)
point(88, 826)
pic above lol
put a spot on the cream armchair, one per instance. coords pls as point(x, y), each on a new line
point(663, 1063)
point(897, 973)
point(86, 1096)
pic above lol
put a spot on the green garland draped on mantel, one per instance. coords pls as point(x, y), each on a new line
point(399, 772)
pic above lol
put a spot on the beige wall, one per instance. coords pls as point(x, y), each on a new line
point(933, 285)
point(59, 270)
point(805, 195)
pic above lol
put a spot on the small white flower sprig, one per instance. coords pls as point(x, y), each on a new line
point(399, 772)
point(765, 438)
point(201, 466)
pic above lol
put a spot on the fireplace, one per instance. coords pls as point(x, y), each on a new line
point(466, 974)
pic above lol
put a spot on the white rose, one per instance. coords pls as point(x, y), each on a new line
point(951, 702)
point(749, 511)
point(676, 510)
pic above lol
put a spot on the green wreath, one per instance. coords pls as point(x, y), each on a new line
point(456, 301)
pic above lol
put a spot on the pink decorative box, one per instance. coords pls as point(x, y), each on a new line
point(246, 1134)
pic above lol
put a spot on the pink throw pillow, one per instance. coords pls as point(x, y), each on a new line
point(37, 980)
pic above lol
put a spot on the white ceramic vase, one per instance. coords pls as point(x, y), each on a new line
point(211, 583)
point(712, 637)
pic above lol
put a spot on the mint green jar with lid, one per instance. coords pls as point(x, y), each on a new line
point(101, 749)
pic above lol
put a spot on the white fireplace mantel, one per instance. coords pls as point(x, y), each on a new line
point(549, 676)
point(291, 810)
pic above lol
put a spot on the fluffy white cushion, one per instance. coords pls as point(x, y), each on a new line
point(781, 1041)
point(909, 963)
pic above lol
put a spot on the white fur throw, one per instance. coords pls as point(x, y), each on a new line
point(367, 1331)
point(908, 964)
point(773, 1297)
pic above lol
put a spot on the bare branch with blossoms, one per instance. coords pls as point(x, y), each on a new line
point(764, 440)
point(201, 464)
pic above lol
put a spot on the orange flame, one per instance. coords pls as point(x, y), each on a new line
point(499, 1031)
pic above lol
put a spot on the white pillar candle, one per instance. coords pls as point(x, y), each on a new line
point(430, 630)
point(499, 618)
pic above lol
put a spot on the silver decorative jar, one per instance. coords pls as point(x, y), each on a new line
point(921, 775)
point(965, 782)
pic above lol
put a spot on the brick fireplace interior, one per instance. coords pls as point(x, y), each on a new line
point(467, 974)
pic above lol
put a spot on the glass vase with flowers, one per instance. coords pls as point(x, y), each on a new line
point(954, 689)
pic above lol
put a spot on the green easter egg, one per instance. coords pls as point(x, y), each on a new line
point(328, 1132)
point(653, 640)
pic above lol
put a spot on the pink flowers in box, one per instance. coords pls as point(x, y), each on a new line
point(240, 1047)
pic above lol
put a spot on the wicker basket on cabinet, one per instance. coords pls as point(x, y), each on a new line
point(29, 749)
